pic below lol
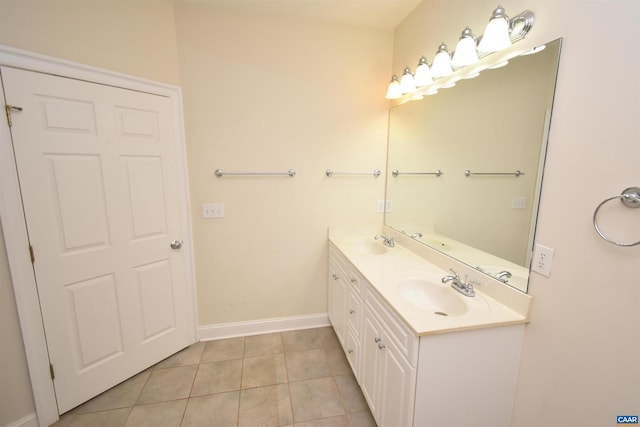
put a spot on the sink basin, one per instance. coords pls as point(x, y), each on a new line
point(432, 296)
point(369, 247)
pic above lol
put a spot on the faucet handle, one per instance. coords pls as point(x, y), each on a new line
point(455, 273)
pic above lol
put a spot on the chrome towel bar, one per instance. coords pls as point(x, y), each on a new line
point(630, 198)
point(290, 172)
point(396, 172)
point(331, 172)
point(517, 173)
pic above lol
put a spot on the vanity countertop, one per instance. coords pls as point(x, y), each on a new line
point(495, 304)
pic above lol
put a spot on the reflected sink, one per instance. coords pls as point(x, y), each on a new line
point(432, 297)
point(369, 247)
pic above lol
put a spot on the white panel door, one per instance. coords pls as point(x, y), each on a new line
point(99, 183)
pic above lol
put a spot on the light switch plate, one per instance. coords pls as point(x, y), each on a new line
point(213, 210)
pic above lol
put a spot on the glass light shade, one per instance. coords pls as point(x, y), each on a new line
point(406, 81)
point(441, 63)
point(465, 53)
point(496, 35)
point(394, 92)
point(422, 76)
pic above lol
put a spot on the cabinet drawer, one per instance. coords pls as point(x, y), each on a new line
point(403, 337)
point(356, 282)
point(336, 257)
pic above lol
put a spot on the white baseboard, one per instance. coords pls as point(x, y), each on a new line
point(259, 327)
point(30, 420)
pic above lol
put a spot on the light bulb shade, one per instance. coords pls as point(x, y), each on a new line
point(406, 81)
point(496, 35)
point(441, 63)
point(465, 53)
point(422, 76)
point(393, 91)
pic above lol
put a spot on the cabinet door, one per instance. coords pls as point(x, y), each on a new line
point(396, 388)
point(337, 301)
point(353, 350)
point(370, 360)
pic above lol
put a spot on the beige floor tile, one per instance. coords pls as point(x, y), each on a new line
point(124, 395)
point(261, 345)
point(362, 419)
point(264, 370)
point(265, 406)
point(227, 349)
point(304, 339)
point(214, 410)
point(340, 421)
point(352, 397)
point(307, 364)
point(218, 377)
point(168, 384)
point(337, 361)
point(315, 399)
point(112, 418)
point(189, 356)
point(163, 414)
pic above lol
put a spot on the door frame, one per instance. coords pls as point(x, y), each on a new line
point(15, 228)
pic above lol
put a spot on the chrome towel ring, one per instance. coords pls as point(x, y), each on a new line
point(630, 198)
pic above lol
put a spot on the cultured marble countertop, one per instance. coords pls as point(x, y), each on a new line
point(495, 304)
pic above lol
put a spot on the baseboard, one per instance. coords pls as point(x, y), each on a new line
point(30, 420)
point(259, 327)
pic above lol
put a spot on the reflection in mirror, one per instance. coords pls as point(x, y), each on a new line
point(494, 128)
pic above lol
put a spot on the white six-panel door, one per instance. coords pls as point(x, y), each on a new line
point(99, 184)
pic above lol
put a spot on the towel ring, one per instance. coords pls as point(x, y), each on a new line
point(630, 197)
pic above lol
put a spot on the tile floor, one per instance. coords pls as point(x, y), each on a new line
point(295, 379)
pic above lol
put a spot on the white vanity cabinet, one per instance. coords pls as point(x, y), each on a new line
point(453, 379)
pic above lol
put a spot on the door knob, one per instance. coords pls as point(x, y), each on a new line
point(176, 244)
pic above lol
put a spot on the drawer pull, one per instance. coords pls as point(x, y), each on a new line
point(354, 281)
point(335, 276)
point(351, 311)
point(381, 346)
point(349, 351)
point(377, 339)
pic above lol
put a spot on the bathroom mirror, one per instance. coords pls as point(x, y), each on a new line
point(465, 165)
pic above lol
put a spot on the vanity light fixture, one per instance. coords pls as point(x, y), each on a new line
point(406, 81)
point(394, 91)
point(422, 76)
point(501, 32)
point(441, 63)
point(496, 35)
point(465, 53)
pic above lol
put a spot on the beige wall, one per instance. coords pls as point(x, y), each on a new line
point(269, 94)
point(133, 37)
point(579, 365)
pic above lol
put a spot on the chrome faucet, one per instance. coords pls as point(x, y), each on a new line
point(503, 276)
point(387, 241)
point(460, 285)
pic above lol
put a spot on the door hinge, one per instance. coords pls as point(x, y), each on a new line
point(53, 375)
point(8, 108)
point(31, 254)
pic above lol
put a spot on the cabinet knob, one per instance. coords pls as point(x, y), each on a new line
point(354, 281)
point(377, 339)
point(349, 351)
point(335, 276)
point(381, 346)
point(351, 311)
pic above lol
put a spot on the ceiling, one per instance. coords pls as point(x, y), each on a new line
point(375, 14)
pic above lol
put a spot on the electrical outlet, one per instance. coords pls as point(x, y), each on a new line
point(542, 260)
point(518, 202)
point(380, 206)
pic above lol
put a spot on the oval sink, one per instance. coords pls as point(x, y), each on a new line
point(369, 247)
point(432, 297)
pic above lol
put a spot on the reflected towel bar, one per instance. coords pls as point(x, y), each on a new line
point(331, 172)
point(290, 172)
point(396, 172)
point(516, 173)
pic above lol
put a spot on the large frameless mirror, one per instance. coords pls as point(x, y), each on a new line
point(465, 165)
